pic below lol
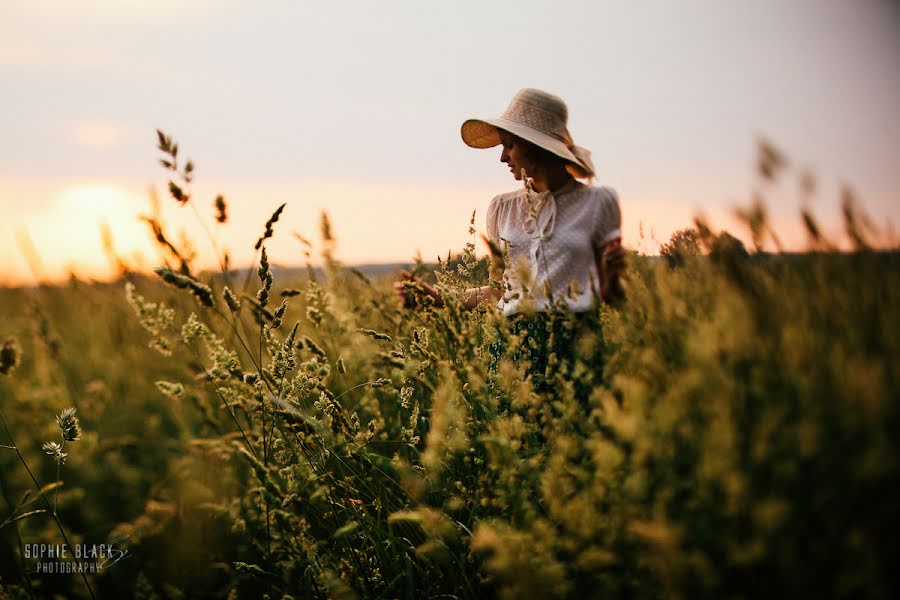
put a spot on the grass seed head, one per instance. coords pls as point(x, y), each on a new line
point(9, 356)
point(231, 299)
point(265, 277)
point(54, 449)
point(770, 161)
point(375, 335)
point(221, 209)
point(201, 291)
point(69, 426)
point(279, 315)
point(170, 389)
point(313, 347)
point(269, 231)
point(178, 193)
point(325, 229)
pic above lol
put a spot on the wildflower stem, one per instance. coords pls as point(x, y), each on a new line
point(347, 391)
point(46, 500)
point(257, 365)
point(212, 242)
point(263, 404)
point(230, 410)
point(25, 576)
point(58, 469)
point(232, 323)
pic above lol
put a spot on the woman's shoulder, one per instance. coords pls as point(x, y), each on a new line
point(503, 201)
point(508, 196)
point(607, 220)
point(600, 193)
point(597, 198)
point(502, 209)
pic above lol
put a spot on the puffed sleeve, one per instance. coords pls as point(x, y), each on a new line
point(493, 212)
point(608, 218)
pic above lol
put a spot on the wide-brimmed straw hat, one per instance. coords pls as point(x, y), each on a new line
point(538, 117)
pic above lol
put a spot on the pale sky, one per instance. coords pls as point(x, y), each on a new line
point(355, 108)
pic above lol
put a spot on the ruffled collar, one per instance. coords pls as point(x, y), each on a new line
point(541, 217)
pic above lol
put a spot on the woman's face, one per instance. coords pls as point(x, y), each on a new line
point(515, 155)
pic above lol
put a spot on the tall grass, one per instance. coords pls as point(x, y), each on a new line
point(247, 436)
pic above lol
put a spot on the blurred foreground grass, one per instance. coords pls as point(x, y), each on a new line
point(739, 438)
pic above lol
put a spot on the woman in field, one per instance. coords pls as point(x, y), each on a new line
point(560, 240)
point(560, 237)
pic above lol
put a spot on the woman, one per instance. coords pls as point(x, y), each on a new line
point(561, 241)
point(562, 238)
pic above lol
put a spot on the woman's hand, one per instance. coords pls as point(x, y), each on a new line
point(410, 286)
point(611, 267)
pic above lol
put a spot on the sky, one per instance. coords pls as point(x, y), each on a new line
point(354, 108)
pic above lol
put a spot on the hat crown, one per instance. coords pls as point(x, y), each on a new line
point(542, 111)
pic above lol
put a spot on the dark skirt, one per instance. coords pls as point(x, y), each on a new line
point(554, 347)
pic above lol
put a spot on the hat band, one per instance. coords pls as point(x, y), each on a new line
point(539, 120)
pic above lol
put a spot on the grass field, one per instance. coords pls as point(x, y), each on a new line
point(311, 437)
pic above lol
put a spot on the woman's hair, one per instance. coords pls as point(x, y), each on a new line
point(537, 154)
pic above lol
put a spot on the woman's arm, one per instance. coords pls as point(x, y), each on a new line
point(609, 256)
point(474, 296)
point(479, 295)
point(610, 260)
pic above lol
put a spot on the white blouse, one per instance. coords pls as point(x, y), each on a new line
point(550, 240)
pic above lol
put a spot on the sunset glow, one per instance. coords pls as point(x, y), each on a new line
point(65, 236)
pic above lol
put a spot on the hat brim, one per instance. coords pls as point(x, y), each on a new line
point(485, 133)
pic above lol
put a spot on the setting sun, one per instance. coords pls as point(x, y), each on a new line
point(64, 236)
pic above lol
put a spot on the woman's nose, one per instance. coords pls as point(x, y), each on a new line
point(504, 155)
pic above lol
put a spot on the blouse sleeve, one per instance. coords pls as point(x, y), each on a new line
point(491, 221)
point(608, 218)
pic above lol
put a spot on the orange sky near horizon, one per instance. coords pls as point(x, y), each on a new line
point(372, 224)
